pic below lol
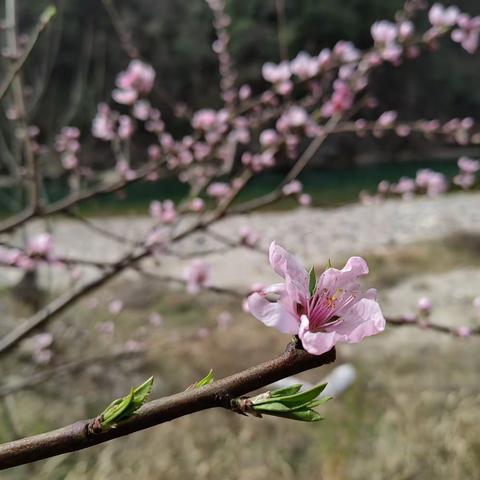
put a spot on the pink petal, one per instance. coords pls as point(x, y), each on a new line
point(272, 314)
point(289, 268)
point(355, 267)
point(362, 320)
point(315, 343)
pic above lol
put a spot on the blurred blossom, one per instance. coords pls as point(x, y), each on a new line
point(468, 32)
point(155, 319)
point(387, 119)
point(42, 357)
point(341, 100)
point(463, 331)
point(163, 212)
point(224, 319)
point(125, 127)
point(141, 109)
point(40, 244)
point(134, 346)
point(139, 77)
point(346, 51)
point(383, 187)
point(305, 200)
point(248, 237)
point(304, 66)
point(435, 183)
point(154, 152)
point(104, 123)
point(197, 276)
point(269, 138)
point(464, 180)
point(197, 205)
point(274, 73)
point(384, 32)
point(106, 328)
point(115, 307)
point(203, 333)
point(476, 303)
point(42, 341)
point(292, 188)
point(218, 190)
point(244, 92)
point(468, 165)
point(124, 97)
point(442, 17)
point(425, 305)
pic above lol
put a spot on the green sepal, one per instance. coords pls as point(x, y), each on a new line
point(312, 281)
point(208, 378)
point(123, 408)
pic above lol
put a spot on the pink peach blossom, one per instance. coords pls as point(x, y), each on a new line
point(334, 310)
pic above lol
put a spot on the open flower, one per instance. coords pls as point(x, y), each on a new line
point(323, 311)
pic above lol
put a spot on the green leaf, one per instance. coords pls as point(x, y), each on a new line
point(208, 378)
point(116, 409)
point(306, 415)
point(123, 408)
point(291, 390)
point(312, 281)
point(298, 398)
point(141, 393)
point(329, 264)
point(302, 415)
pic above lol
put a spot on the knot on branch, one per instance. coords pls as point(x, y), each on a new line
point(244, 406)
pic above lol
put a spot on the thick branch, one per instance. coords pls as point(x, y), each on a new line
point(218, 394)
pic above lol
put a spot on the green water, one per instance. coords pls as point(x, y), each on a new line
point(328, 188)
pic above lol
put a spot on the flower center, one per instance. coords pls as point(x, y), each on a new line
point(325, 308)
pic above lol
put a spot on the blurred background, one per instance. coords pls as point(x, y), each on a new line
point(412, 411)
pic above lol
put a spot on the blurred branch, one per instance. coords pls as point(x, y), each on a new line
point(219, 394)
point(43, 376)
point(281, 29)
point(73, 200)
point(47, 15)
point(124, 35)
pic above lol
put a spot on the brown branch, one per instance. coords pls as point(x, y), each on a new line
point(80, 435)
point(426, 324)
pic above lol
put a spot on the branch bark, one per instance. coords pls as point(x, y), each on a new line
point(79, 435)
